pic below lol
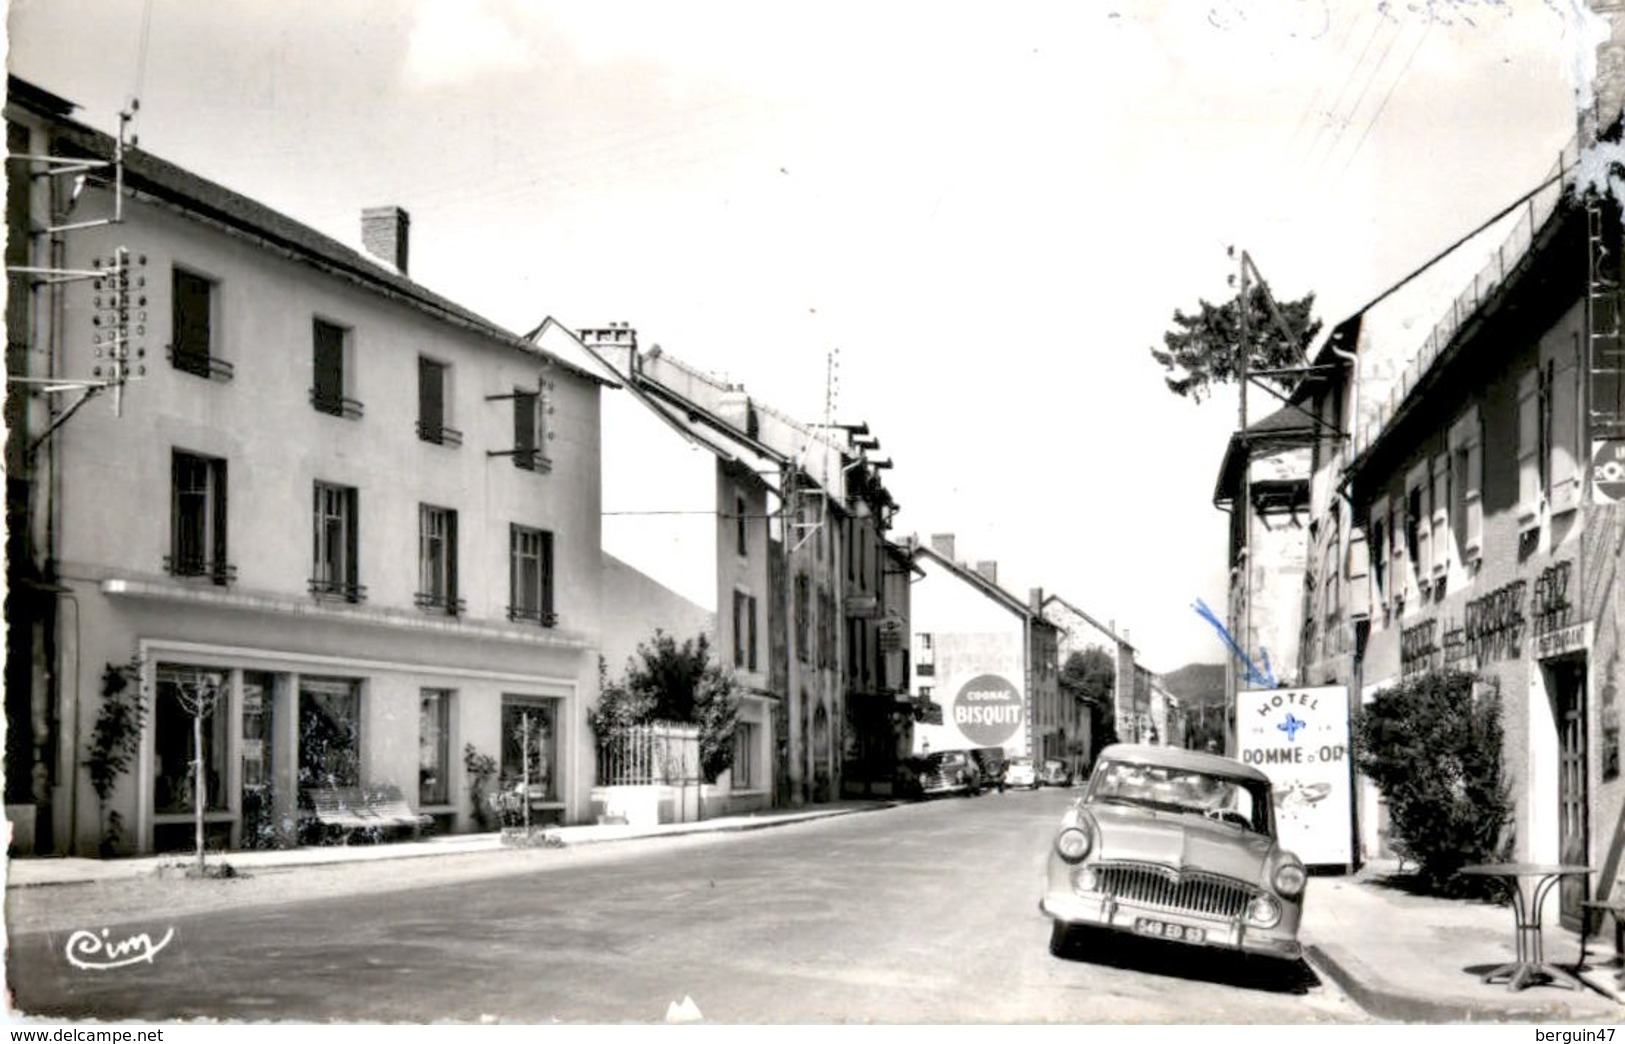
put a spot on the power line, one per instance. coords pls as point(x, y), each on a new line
point(1359, 99)
point(1380, 108)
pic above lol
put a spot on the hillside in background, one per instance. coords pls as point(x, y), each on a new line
point(1197, 683)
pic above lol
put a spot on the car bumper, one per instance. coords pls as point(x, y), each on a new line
point(1105, 912)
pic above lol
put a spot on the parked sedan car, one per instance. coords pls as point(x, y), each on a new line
point(948, 772)
point(1178, 845)
point(1055, 774)
point(1019, 772)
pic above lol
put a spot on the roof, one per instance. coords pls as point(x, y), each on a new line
point(977, 580)
point(162, 180)
point(1290, 427)
point(1182, 759)
point(1096, 624)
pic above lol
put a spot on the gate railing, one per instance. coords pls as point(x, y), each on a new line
point(657, 753)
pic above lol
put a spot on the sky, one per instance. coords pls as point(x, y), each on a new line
point(981, 217)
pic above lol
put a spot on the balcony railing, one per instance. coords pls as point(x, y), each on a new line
point(201, 364)
point(543, 617)
point(439, 434)
point(215, 570)
point(337, 405)
point(337, 590)
point(439, 604)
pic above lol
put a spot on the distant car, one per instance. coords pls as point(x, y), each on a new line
point(1019, 772)
point(990, 763)
point(1055, 774)
point(948, 772)
point(1178, 845)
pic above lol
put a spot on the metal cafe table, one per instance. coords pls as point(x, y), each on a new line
point(1531, 884)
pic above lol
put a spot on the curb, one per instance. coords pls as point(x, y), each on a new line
point(1354, 978)
point(387, 854)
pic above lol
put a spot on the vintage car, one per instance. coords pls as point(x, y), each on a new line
point(948, 772)
point(1178, 845)
point(1055, 774)
point(1019, 772)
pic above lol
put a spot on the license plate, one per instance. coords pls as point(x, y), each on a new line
point(1164, 930)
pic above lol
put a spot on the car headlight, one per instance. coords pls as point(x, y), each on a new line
point(1072, 844)
point(1290, 878)
point(1264, 912)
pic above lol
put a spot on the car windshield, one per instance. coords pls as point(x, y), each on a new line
point(1240, 801)
point(1021, 762)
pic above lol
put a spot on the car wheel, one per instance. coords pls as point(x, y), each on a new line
point(1060, 938)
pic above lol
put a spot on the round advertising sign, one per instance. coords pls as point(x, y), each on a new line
point(987, 710)
point(1608, 470)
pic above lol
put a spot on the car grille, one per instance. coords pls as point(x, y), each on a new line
point(1150, 884)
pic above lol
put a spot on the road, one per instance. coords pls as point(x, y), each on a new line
point(920, 913)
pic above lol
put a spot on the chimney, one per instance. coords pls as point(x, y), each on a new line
point(943, 544)
point(616, 344)
point(989, 571)
point(384, 234)
point(1035, 599)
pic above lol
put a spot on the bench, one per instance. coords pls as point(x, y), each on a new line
point(372, 811)
point(1614, 908)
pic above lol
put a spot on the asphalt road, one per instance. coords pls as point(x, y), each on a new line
point(921, 913)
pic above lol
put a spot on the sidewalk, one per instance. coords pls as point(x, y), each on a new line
point(48, 870)
point(1419, 959)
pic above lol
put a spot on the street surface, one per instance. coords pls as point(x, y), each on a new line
point(921, 913)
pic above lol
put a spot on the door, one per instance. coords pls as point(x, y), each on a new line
point(1574, 844)
point(258, 796)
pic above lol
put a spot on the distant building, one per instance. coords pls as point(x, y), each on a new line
point(984, 659)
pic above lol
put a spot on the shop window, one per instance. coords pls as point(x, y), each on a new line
point(530, 746)
point(434, 747)
point(181, 691)
point(329, 733)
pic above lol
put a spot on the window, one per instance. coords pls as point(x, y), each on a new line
point(750, 633)
point(1466, 486)
point(334, 568)
point(433, 379)
point(925, 665)
point(180, 690)
point(327, 394)
point(803, 618)
point(192, 326)
point(1530, 437)
point(437, 560)
point(1441, 539)
point(434, 747)
point(529, 431)
point(741, 542)
point(198, 518)
point(329, 732)
point(1563, 432)
point(530, 575)
point(744, 766)
point(1417, 528)
point(1380, 578)
point(529, 746)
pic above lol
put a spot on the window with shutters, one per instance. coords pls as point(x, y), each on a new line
point(1417, 531)
point(330, 371)
point(434, 400)
point(334, 569)
point(1440, 544)
point(1563, 432)
point(1467, 487)
point(530, 428)
point(1530, 428)
point(192, 345)
point(741, 528)
point(437, 561)
point(1381, 569)
point(198, 518)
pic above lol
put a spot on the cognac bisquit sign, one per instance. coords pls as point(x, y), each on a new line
point(1492, 626)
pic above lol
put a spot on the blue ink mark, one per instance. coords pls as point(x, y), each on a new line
point(1265, 677)
point(1291, 726)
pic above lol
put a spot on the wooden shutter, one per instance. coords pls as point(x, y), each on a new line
point(328, 364)
point(524, 428)
point(431, 398)
point(191, 322)
point(1529, 447)
point(451, 561)
point(352, 540)
point(1564, 418)
point(218, 475)
point(547, 576)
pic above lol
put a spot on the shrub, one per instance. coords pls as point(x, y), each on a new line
point(481, 769)
point(115, 739)
point(1432, 745)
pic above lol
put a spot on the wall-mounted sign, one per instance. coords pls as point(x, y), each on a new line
point(1563, 640)
point(1300, 739)
point(1608, 470)
point(987, 710)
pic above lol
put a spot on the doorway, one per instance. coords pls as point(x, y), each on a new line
point(1567, 680)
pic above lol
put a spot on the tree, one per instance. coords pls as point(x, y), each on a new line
point(115, 740)
point(668, 681)
point(199, 696)
point(1203, 348)
point(1090, 678)
point(1432, 745)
